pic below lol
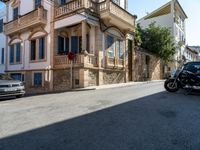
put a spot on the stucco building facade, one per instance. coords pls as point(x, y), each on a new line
point(2, 40)
point(41, 33)
point(172, 16)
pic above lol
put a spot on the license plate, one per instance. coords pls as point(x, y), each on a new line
point(11, 90)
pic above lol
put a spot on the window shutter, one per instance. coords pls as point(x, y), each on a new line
point(38, 79)
point(74, 44)
point(33, 49)
point(66, 45)
point(12, 54)
point(15, 13)
point(62, 2)
point(60, 45)
point(18, 52)
point(41, 48)
point(37, 3)
point(1, 25)
point(2, 56)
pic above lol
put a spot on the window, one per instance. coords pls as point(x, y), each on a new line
point(17, 76)
point(110, 46)
point(62, 2)
point(38, 79)
point(37, 3)
point(1, 25)
point(120, 48)
point(63, 45)
point(15, 53)
point(117, 2)
point(2, 56)
point(15, 13)
point(37, 49)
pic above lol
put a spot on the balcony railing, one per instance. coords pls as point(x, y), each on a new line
point(73, 6)
point(112, 8)
point(62, 61)
point(34, 18)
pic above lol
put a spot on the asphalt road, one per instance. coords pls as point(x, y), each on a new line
point(142, 117)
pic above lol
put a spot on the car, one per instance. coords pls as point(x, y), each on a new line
point(10, 87)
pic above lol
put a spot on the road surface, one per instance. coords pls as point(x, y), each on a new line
point(140, 117)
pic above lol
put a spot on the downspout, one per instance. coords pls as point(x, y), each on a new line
point(6, 41)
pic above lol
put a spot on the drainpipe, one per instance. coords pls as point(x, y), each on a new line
point(6, 48)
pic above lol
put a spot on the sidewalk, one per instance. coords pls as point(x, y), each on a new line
point(116, 85)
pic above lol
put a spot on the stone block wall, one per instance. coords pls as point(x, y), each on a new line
point(61, 80)
point(92, 77)
point(113, 77)
point(143, 71)
point(30, 88)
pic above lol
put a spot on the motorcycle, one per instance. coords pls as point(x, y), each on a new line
point(186, 77)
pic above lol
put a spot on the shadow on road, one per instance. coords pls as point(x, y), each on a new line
point(156, 122)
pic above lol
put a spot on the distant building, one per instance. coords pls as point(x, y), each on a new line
point(172, 16)
point(191, 54)
point(2, 40)
point(197, 49)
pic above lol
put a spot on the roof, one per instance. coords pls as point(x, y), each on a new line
point(165, 9)
point(192, 50)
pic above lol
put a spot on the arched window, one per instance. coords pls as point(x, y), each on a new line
point(38, 46)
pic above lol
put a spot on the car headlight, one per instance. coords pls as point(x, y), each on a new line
point(21, 84)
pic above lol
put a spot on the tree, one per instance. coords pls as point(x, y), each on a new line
point(138, 35)
point(158, 40)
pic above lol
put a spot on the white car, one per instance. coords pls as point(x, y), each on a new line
point(11, 87)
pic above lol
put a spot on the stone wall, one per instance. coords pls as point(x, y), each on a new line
point(61, 80)
point(112, 77)
point(147, 66)
point(30, 88)
point(92, 77)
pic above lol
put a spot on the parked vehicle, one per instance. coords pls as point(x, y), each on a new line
point(187, 77)
point(11, 87)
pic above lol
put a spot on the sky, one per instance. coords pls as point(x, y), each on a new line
point(191, 8)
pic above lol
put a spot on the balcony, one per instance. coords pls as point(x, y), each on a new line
point(32, 19)
point(87, 61)
point(74, 6)
point(109, 11)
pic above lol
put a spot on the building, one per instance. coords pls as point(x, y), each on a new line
point(197, 49)
point(2, 40)
point(172, 16)
point(191, 54)
point(41, 33)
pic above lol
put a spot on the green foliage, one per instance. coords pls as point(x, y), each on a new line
point(158, 40)
point(138, 35)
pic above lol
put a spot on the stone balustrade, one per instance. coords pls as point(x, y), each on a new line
point(31, 19)
point(81, 60)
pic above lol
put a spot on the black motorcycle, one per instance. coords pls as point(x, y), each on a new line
point(186, 77)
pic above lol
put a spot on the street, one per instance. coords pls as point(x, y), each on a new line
point(139, 117)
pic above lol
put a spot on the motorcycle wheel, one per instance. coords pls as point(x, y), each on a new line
point(170, 86)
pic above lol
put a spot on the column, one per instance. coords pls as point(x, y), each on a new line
point(84, 38)
point(92, 40)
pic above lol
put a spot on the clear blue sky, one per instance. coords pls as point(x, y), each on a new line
point(191, 8)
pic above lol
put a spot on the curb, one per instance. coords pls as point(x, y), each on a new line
point(116, 85)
